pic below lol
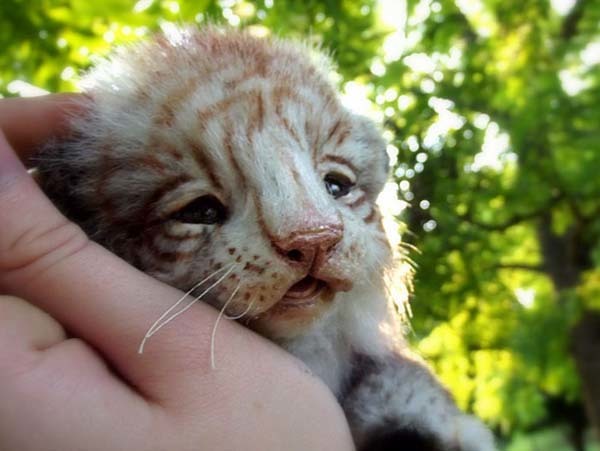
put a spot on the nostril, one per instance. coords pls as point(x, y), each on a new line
point(295, 255)
point(307, 247)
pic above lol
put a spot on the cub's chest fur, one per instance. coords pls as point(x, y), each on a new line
point(216, 155)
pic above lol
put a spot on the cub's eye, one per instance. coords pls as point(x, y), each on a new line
point(202, 210)
point(337, 185)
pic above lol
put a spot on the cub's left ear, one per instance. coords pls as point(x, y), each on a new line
point(373, 152)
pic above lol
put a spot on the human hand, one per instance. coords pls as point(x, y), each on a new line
point(89, 389)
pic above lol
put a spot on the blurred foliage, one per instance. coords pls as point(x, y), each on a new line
point(492, 111)
point(503, 116)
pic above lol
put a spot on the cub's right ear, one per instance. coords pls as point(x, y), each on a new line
point(372, 148)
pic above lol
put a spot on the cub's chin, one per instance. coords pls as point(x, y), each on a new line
point(304, 303)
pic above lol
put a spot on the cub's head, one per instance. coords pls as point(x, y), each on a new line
point(217, 153)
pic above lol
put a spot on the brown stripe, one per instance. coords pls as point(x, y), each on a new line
point(291, 131)
point(358, 202)
point(171, 256)
point(151, 162)
point(165, 116)
point(142, 97)
point(256, 121)
point(341, 160)
point(284, 92)
point(332, 131)
point(307, 133)
point(228, 146)
point(203, 161)
point(173, 152)
point(262, 224)
point(315, 144)
point(261, 111)
point(279, 94)
point(296, 175)
point(313, 78)
point(331, 110)
point(169, 185)
point(221, 106)
point(373, 215)
point(188, 235)
point(277, 97)
point(175, 96)
point(343, 136)
point(248, 74)
point(110, 166)
point(162, 145)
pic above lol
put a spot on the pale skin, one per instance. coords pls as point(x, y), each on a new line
point(88, 388)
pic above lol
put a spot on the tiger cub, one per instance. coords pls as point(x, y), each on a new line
point(210, 153)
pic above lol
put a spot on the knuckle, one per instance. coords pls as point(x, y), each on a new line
point(78, 348)
point(21, 321)
point(15, 331)
point(10, 306)
point(40, 247)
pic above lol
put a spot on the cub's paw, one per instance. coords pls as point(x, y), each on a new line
point(401, 439)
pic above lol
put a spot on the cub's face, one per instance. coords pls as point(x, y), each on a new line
point(231, 158)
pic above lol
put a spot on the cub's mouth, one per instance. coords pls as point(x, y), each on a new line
point(304, 292)
point(302, 303)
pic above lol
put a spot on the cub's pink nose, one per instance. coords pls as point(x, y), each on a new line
point(303, 246)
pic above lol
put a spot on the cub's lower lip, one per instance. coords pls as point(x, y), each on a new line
point(303, 292)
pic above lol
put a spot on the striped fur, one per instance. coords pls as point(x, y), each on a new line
point(257, 124)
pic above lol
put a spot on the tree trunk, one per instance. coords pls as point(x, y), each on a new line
point(586, 351)
point(565, 257)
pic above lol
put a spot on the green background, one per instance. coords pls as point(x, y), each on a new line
point(492, 112)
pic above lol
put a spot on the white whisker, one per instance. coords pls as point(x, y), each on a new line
point(150, 331)
point(157, 325)
point(214, 331)
point(241, 315)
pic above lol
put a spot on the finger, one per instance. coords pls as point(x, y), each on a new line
point(29, 122)
point(26, 327)
point(93, 294)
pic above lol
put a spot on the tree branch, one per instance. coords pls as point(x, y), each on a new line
point(569, 25)
point(514, 220)
point(521, 266)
